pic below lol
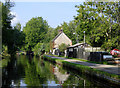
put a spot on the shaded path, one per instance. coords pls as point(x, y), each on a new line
point(114, 69)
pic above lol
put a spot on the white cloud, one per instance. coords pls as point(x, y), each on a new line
point(15, 19)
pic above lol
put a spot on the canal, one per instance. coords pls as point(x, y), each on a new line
point(23, 71)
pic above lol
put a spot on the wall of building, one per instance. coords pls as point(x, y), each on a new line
point(62, 39)
point(88, 53)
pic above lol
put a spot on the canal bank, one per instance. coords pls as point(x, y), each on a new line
point(107, 73)
point(26, 71)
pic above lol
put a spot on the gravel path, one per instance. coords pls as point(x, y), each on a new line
point(114, 69)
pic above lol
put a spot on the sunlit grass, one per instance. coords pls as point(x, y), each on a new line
point(80, 59)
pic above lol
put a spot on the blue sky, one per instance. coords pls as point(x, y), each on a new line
point(54, 13)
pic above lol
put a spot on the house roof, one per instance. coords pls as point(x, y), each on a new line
point(59, 35)
point(79, 44)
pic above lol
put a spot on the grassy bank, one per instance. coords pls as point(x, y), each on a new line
point(112, 78)
point(104, 62)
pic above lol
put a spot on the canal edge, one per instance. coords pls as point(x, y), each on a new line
point(108, 77)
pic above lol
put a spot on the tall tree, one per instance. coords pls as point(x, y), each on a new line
point(18, 36)
point(18, 26)
point(6, 20)
point(7, 31)
point(70, 31)
point(100, 21)
point(35, 31)
point(12, 37)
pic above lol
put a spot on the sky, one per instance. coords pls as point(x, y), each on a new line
point(55, 13)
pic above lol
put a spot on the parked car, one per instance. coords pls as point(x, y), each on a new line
point(117, 60)
point(115, 52)
point(107, 57)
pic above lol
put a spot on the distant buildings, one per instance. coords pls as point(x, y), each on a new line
point(58, 40)
point(79, 50)
point(85, 51)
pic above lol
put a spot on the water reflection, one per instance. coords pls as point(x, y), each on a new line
point(61, 76)
point(33, 71)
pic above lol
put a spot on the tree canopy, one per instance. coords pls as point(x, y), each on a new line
point(35, 31)
point(99, 20)
point(101, 23)
point(12, 37)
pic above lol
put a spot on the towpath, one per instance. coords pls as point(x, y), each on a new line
point(114, 69)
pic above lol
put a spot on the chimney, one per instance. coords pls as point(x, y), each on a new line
point(61, 30)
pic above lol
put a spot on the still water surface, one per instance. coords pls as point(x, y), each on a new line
point(23, 71)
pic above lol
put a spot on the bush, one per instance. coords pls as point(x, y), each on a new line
point(62, 48)
point(38, 49)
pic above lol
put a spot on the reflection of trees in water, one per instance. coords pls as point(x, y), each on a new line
point(79, 79)
point(38, 72)
point(68, 79)
point(74, 80)
point(12, 71)
point(82, 80)
point(61, 75)
point(34, 70)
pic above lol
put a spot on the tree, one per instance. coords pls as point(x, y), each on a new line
point(62, 48)
point(6, 21)
point(7, 31)
point(12, 37)
point(38, 48)
point(18, 26)
point(100, 21)
point(50, 35)
point(19, 37)
point(68, 29)
point(35, 31)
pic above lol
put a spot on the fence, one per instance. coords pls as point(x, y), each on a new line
point(89, 53)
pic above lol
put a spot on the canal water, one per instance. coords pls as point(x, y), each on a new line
point(23, 71)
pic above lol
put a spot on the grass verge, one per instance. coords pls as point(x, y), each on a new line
point(104, 62)
point(113, 78)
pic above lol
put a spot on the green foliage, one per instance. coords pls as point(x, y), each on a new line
point(18, 26)
point(63, 47)
point(68, 29)
point(38, 49)
point(6, 21)
point(18, 36)
point(4, 62)
point(8, 33)
point(100, 21)
point(35, 31)
point(37, 72)
point(12, 38)
point(5, 52)
point(49, 35)
point(47, 47)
